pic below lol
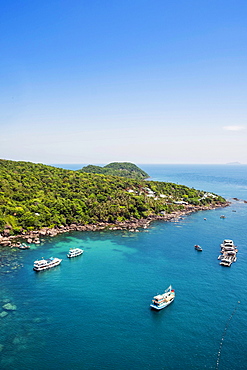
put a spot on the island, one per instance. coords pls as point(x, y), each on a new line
point(38, 200)
point(122, 169)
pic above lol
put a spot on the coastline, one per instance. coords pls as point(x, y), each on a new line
point(130, 225)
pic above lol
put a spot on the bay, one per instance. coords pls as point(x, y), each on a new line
point(92, 312)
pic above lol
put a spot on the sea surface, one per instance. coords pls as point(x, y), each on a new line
point(92, 312)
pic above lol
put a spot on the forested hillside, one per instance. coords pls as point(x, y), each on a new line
point(122, 169)
point(33, 196)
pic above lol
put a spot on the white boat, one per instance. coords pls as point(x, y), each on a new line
point(227, 243)
point(229, 247)
point(74, 252)
point(226, 262)
point(163, 300)
point(23, 246)
point(43, 264)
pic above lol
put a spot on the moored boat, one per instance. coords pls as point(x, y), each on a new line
point(23, 246)
point(163, 300)
point(198, 248)
point(41, 265)
point(226, 262)
point(228, 253)
point(74, 252)
point(227, 244)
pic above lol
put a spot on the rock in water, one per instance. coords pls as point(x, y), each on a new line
point(9, 307)
point(3, 314)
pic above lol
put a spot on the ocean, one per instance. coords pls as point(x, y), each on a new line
point(92, 312)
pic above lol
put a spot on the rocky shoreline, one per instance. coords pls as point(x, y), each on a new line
point(130, 225)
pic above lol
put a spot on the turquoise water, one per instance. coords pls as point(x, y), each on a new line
point(92, 312)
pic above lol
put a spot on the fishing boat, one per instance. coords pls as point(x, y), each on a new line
point(41, 265)
point(161, 301)
point(198, 248)
point(74, 252)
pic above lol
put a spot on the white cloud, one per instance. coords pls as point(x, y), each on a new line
point(234, 128)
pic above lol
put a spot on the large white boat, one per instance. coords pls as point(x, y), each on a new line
point(43, 264)
point(74, 252)
point(163, 300)
point(228, 244)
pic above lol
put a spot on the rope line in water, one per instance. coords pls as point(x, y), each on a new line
point(223, 336)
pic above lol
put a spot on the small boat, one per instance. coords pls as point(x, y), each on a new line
point(43, 264)
point(163, 300)
point(74, 252)
point(198, 248)
point(222, 216)
point(23, 246)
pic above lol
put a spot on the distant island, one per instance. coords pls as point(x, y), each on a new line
point(38, 200)
point(122, 169)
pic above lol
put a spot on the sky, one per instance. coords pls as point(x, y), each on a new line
point(142, 81)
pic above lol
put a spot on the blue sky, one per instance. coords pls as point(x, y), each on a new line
point(123, 80)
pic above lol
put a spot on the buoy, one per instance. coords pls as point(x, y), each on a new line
point(223, 336)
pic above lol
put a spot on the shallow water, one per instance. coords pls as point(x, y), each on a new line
point(92, 312)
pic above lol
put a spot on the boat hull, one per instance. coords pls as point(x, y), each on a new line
point(47, 267)
point(76, 254)
point(160, 307)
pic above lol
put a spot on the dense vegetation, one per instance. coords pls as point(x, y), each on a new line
point(33, 196)
point(122, 169)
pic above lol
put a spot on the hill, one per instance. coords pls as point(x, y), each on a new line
point(33, 196)
point(122, 169)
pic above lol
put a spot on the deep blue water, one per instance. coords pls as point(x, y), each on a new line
point(92, 312)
